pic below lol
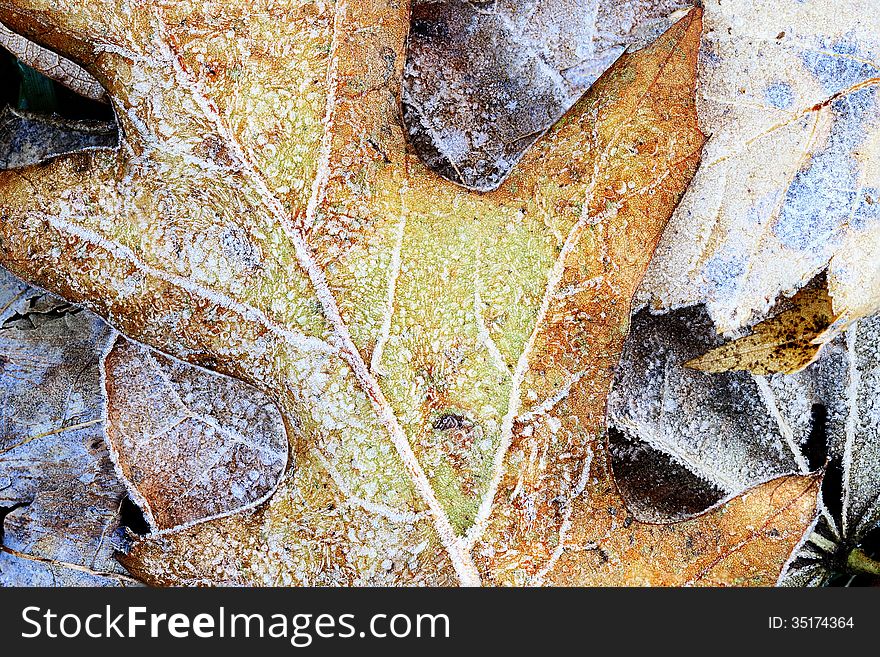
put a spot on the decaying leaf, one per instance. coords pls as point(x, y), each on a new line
point(51, 65)
point(484, 80)
point(27, 138)
point(442, 358)
point(790, 181)
point(193, 444)
point(682, 441)
point(784, 343)
point(59, 496)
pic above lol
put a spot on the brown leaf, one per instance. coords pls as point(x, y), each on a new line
point(744, 543)
point(556, 494)
point(48, 63)
point(484, 81)
point(784, 343)
point(192, 444)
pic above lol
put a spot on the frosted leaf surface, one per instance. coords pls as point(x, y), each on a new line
point(484, 80)
point(27, 138)
point(193, 444)
point(442, 358)
point(790, 180)
point(58, 490)
point(52, 65)
point(845, 382)
point(683, 440)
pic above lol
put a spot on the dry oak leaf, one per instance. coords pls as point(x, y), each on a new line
point(790, 180)
point(441, 357)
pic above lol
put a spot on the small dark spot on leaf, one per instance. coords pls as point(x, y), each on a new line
point(427, 23)
point(376, 147)
point(450, 422)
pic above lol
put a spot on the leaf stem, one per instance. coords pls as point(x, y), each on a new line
point(859, 563)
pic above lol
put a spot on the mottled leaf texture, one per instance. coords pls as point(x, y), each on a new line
point(48, 63)
point(682, 440)
point(484, 80)
point(441, 357)
point(784, 343)
point(59, 496)
point(790, 180)
point(193, 444)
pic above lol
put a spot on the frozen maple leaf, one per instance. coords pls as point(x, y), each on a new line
point(441, 357)
point(790, 181)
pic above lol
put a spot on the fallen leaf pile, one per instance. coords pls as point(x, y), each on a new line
point(340, 368)
point(789, 182)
